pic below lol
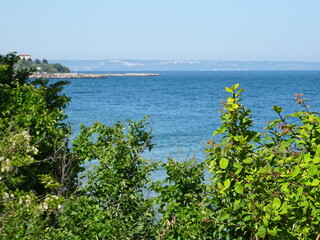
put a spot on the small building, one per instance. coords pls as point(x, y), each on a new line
point(25, 56)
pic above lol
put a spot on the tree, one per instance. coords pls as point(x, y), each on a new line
point(265, 186)
point(37, 168)
point(9, 75)
point(44, 66)
point(60, 68)
point(36, 107)
point(112, 204)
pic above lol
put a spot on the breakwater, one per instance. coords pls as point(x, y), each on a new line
point(89, 75)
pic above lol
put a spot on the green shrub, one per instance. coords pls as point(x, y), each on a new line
point(183, 202)
point(265, 185)
point(112, 204)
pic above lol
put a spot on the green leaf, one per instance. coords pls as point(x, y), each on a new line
point(236, 86)
point(304, 133)
point(225, 216)
point(315, 182)
point(299, 191)
point(318, 151)
point(313, 169)
point(247, 218)
point(224, 163)
point(230, 99)
point(238, 166)
point(265, 220)
point(228, 90)
point(273, 232)
point(238, 188)
point(227, 183)
point(284, 187)
point(262, 231)
point(284, 208)
point(304, 204)
point(248, 160)
point(276, 203)
point(277, 109)
point(316, 160)
point(285, 144)
point(236, 204)
point(296, 171)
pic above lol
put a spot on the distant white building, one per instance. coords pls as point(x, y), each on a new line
point(25, 56)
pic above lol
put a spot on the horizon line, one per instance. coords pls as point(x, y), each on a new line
point(186, 60)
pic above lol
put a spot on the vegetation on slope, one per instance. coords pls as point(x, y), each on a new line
point(41, 66)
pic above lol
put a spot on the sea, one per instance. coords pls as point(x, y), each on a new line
point(184, 105)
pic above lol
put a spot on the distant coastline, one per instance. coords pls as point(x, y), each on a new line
point(89, 75)
point(185, 65)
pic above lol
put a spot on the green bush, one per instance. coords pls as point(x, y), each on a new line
point(183, 202)
point(265, 185)
point(112, 204)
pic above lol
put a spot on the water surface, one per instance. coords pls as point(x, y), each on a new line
point(183, 106)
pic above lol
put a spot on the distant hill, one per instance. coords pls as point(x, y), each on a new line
point(184, 65)
point(42, 66)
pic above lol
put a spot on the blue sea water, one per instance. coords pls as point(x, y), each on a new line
point(183, 106)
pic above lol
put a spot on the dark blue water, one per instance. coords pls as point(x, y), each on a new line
point(184, 105)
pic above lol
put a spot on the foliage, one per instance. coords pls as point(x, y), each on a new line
point(9, 75)
point(37, 170)
point(36, 108)
point(183, 202)
point(41, 66)
point(22, 217)
point(265, 185)
point(112, 204)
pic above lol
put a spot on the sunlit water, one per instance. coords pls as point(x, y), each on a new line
point(183, 106)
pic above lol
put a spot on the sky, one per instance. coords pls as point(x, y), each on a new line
point(244, 30)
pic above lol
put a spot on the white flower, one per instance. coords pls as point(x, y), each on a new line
point(6, 196)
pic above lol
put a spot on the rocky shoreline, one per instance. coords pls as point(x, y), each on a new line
point(88, 75)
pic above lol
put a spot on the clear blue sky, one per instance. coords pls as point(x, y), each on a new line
point(277, 30)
